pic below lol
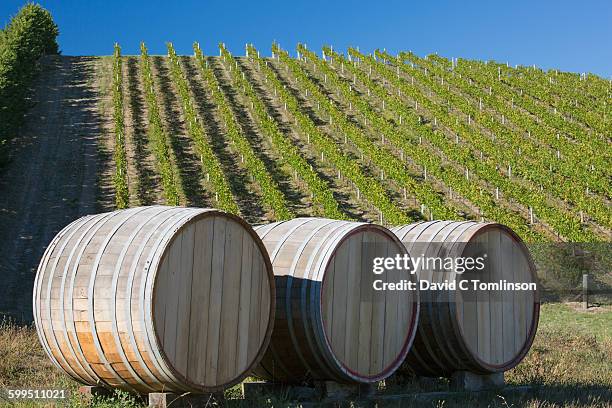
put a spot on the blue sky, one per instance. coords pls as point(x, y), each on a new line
point(569, 35)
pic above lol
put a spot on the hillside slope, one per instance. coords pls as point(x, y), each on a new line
point(372, 138)
point(53, 174)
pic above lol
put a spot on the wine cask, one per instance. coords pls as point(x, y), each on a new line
point(330, 323)
point(155, 299)
point(479, 330)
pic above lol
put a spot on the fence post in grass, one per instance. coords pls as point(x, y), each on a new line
point(585, 291)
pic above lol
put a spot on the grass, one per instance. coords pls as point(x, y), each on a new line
point(596, 321)
point(561, 267)
point(569, 365)
point(570, 362)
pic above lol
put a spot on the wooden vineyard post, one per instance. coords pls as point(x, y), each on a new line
point(585, 291)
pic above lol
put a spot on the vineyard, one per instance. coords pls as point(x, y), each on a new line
point(377, 137)
point(316, 138)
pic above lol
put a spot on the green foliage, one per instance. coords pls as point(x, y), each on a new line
point(157, 135)
point(391, 166)
point(322, 195)
point(406, 135)
point(369, 187)
point(210, 164)
point(271, 194)
point(122, 194)
point(582, 164)
point(29, 35)
point(385, 158)
point(493, 158)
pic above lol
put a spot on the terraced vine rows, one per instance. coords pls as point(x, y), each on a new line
point(375, 137)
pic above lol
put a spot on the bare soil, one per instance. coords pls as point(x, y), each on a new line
point(52, 178)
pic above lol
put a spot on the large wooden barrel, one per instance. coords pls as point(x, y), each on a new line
point(156, 299)
point(330, 323)
point(477, 330)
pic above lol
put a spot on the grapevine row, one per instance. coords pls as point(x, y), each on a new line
point(122, 194)
point(210, 163)
point(566, 224)
point(553, 90)
point(367, 186)
point(583, 161)
point(573, 191)
point(503, 84)
point(321, 194)
point(420, 156)
point(532, 101)
point(561, 92)
point(393, 167)
point(407, 142)
point(157, 135)
point(569, 222)
point(271, 194)
point(531, 169)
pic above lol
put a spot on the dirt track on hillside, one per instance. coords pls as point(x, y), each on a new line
point(52, 178)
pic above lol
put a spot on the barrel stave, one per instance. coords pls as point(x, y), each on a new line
point(100, 321)
point(485, 332)
point(321, 332)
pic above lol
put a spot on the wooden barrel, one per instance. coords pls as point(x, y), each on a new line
point(330, 323)
point(156, 299)
point(479, 330)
